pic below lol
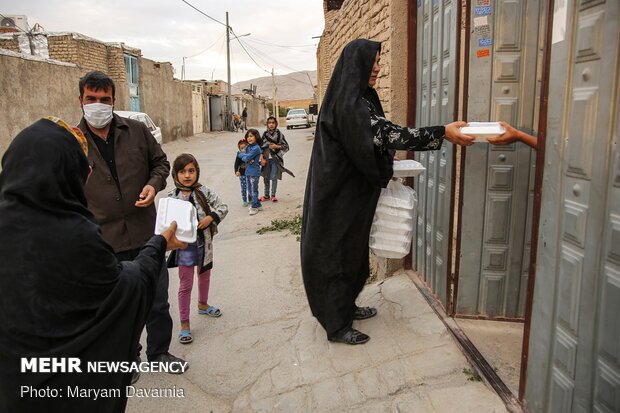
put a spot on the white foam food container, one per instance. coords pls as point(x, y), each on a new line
point(183, 212)
point(482, 131)
point(407, 167)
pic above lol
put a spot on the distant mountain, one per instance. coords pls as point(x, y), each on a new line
point(290, 87)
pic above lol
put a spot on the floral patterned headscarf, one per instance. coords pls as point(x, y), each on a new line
point(75, 131)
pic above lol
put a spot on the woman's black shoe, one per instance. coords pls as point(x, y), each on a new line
point(362, 313)
point(350, 336)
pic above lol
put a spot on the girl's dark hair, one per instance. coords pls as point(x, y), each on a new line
point(256, 133)
point(274, 118)
point(182, 161)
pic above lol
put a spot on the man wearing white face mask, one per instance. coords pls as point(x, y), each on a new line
point(129, 168)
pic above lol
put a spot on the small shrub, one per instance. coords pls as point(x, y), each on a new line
point(293, 225)
point(472, 375)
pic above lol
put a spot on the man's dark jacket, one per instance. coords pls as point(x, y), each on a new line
point(139, 161)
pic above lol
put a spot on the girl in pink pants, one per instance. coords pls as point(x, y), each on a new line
point(199, 255)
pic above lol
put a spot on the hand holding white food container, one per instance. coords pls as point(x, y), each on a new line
point(482, 131)
point(183, 212)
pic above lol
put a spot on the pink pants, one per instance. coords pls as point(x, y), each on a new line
point(186, 278)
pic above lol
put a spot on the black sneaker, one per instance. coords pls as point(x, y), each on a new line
point(179, 367)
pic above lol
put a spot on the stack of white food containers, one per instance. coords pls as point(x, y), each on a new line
point(392, 227)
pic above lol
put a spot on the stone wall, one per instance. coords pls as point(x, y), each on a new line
point(28, 93)
point(166, 100)
point(384, 21)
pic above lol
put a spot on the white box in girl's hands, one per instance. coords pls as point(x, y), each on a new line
point(482, 131)
point(183, 212)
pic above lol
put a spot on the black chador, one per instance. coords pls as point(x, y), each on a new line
point(64, 294)
point(351, 161)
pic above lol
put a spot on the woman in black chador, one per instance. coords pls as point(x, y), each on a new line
point(64, 294)
point(351, 161)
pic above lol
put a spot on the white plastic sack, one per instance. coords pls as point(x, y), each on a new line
point(392, 226)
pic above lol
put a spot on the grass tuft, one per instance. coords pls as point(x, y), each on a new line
point(293, 225)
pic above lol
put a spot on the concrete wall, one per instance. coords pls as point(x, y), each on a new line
point(256, 109)
point(28, 93)
point(384, 21)
point(166, 100)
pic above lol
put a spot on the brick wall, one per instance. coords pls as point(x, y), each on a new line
point(9, 44)
point(384, 21)
point(91, 54)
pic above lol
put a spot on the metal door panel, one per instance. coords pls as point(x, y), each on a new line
point(216, 113)
point(436, 102)
point(576, 367)
point(497, 179)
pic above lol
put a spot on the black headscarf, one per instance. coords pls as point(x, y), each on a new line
point(63, 292)
point(345, 176)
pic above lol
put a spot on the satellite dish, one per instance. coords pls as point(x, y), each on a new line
point(7, 22)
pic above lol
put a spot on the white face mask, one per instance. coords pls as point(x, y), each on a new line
point(98, 115)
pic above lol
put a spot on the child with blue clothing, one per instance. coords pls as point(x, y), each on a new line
point(251, 156)
point(240, 172)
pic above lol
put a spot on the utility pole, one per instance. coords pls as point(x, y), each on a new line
point(227, 123)
point(274, 91)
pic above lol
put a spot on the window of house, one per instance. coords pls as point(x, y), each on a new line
point(334, 4)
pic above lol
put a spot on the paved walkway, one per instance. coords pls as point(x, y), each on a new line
point(268, 354)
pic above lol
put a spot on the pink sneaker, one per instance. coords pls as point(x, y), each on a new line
point(274, 199)
point(263, 198)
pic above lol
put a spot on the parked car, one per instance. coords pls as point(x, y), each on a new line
point(297, 117)
point(144, 118)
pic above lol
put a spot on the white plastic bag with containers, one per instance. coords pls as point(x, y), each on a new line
point(392, 226)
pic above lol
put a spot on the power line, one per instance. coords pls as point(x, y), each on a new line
point(290, 48)
point(199, 53)
point(257, 51)
point(260, 53)
point(246, 52)
point(219, 54)
point(279, 45)
point(203, 13)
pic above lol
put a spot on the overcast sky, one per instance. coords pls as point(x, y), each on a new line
point(168, 30)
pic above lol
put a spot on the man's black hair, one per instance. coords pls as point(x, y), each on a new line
point(97, 80)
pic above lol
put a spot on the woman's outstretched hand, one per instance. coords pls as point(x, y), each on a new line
point(454, 135)
point(172, 242)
